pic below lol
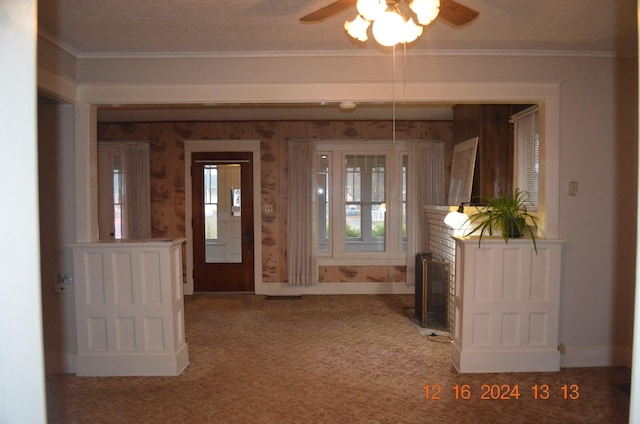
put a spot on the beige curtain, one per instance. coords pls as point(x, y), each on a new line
point(425, 187)
point(137, 191)
point(302, 231)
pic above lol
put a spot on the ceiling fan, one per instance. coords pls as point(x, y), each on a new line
point(450, 11)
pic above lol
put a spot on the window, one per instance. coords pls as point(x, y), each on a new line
point(365, 213)
point(362, 200)
point(527, 153)
point(123, 191)
point(118, 198)
point(323, 201)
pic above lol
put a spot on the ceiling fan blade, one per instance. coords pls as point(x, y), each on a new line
point(455, 13)
point(330, 9)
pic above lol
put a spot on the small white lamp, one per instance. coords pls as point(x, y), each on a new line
point(457, 219)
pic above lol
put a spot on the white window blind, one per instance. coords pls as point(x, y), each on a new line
point(527, 151)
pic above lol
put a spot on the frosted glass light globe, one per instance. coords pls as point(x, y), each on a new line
point(357, 28)
point(388, 29)
point(411, 31)
point(426, 10)
point(371, 9)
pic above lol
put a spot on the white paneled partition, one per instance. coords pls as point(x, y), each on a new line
point(129, 308)
point(506, 305)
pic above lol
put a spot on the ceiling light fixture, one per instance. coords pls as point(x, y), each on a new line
point(391, 24)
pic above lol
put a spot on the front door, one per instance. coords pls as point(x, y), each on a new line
point(222, 186)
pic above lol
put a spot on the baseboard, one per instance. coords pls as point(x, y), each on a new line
point(60, 362)
point(504, 361)
point(284, 289)
point(596, 356)
point(140, 364)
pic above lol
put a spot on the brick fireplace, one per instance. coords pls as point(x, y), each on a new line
point(442, 247)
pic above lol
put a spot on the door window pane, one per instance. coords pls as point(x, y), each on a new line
point(211, 202)
point(222, 218)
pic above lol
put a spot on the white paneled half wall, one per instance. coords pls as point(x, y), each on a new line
point(506, 305)
point(129, 308)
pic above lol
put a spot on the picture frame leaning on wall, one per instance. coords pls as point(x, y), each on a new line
point(462, 168)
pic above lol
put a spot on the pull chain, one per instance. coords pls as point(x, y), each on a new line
point(393, 93)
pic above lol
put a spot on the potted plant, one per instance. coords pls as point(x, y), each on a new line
point(509, 214)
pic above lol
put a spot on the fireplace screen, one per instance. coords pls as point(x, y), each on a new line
point(432, 292)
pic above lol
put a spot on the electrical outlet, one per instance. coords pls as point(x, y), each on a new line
point(62, 283)
point(59, 288)
point(268, 209)
point(573, 188)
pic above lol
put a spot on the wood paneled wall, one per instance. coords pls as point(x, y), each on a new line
point(494, 167)
point(167, 166)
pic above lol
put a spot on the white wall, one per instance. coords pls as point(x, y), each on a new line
point(588, 156)
point(22, 397)
point(588, 94)
point(57, 230)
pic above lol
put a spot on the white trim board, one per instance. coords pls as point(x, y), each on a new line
point(253, 146)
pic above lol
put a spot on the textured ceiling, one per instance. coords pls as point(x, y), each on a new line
point(264, 27)
point(232, 26)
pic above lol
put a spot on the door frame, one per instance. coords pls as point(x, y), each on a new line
point(253, 146)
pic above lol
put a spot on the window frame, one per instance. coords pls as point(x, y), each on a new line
point(395, 247)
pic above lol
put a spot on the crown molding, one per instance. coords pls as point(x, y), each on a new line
point(346, 53)
point(327, 53)
point(61, 45)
